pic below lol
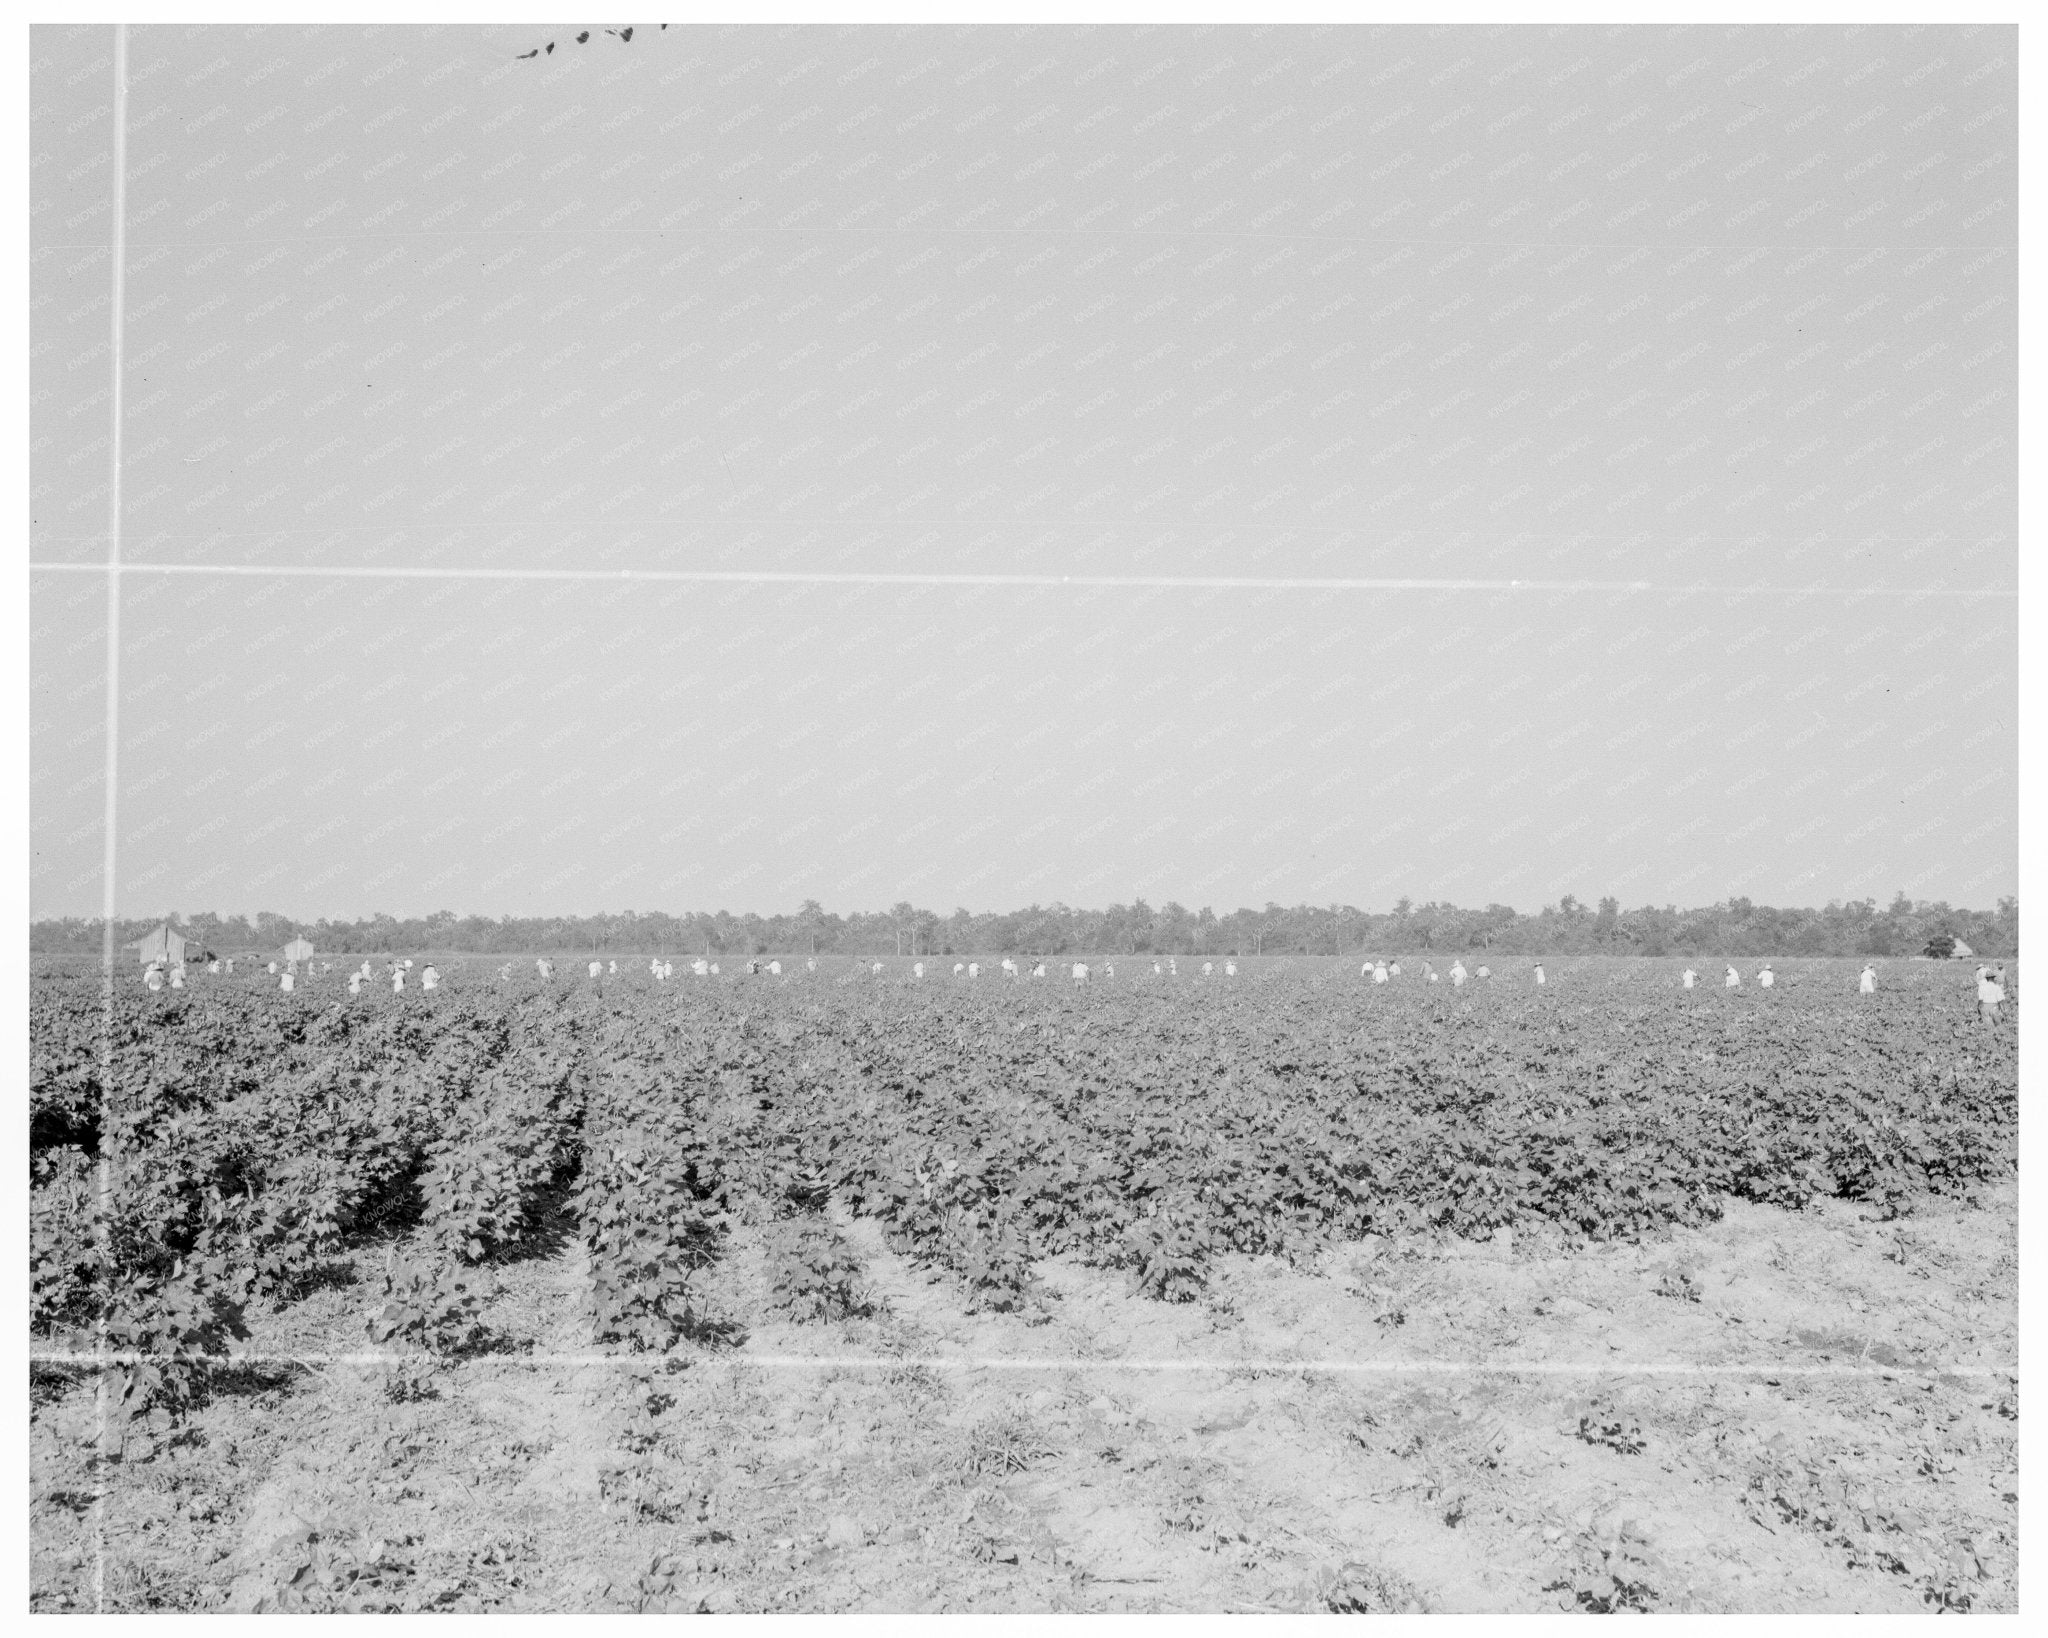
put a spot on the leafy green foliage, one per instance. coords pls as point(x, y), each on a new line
point(815, 1274)
point(1147, 1127)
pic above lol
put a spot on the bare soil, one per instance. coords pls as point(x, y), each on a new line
point(1809, 1443)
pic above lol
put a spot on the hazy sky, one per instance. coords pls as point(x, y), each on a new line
point(1706, 333)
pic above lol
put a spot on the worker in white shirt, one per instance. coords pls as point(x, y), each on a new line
point(1990, 993)
point(1688, 978)
point(1733, 981)
point(1766, 978)
point(1540, 979)
point(1867, 983)
point(1457, 974)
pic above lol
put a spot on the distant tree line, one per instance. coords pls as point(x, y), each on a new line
point(1734, 928)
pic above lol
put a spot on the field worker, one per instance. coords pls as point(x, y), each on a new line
point(811, 965)
point(285, 983)
point(213, 966)
point(597, 969)
point(1155, 969)
point(1429, 972)
point(153, 976)
point(1038, 971)
point(231, 963)
point(1457, 973)
point(547, 968)
point(614, 969)
point(1379, 972)
point(917, 971)
point(1485, 972)
point(429, 979)
point(714, 969)
point(397, 979)
point(876, 969)
point(958, 968)
point(1867, 984)
point(973, 969)
point(355, 983)
point(1394, 968)
point(1109, 972)
point(178, 976)
point(1540, 979)
point(1207, 969)
point(1230, 969)
point(273, 969)
point(1009, 967)
point(1766, 978)
point(1733, 981)
point(1990, 992)
point(1172, 968)
point(775, 967)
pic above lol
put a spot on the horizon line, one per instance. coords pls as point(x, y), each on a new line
point(1588, 908)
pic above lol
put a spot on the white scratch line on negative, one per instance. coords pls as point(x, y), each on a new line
point(998, 1362)
point(1133, 582)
